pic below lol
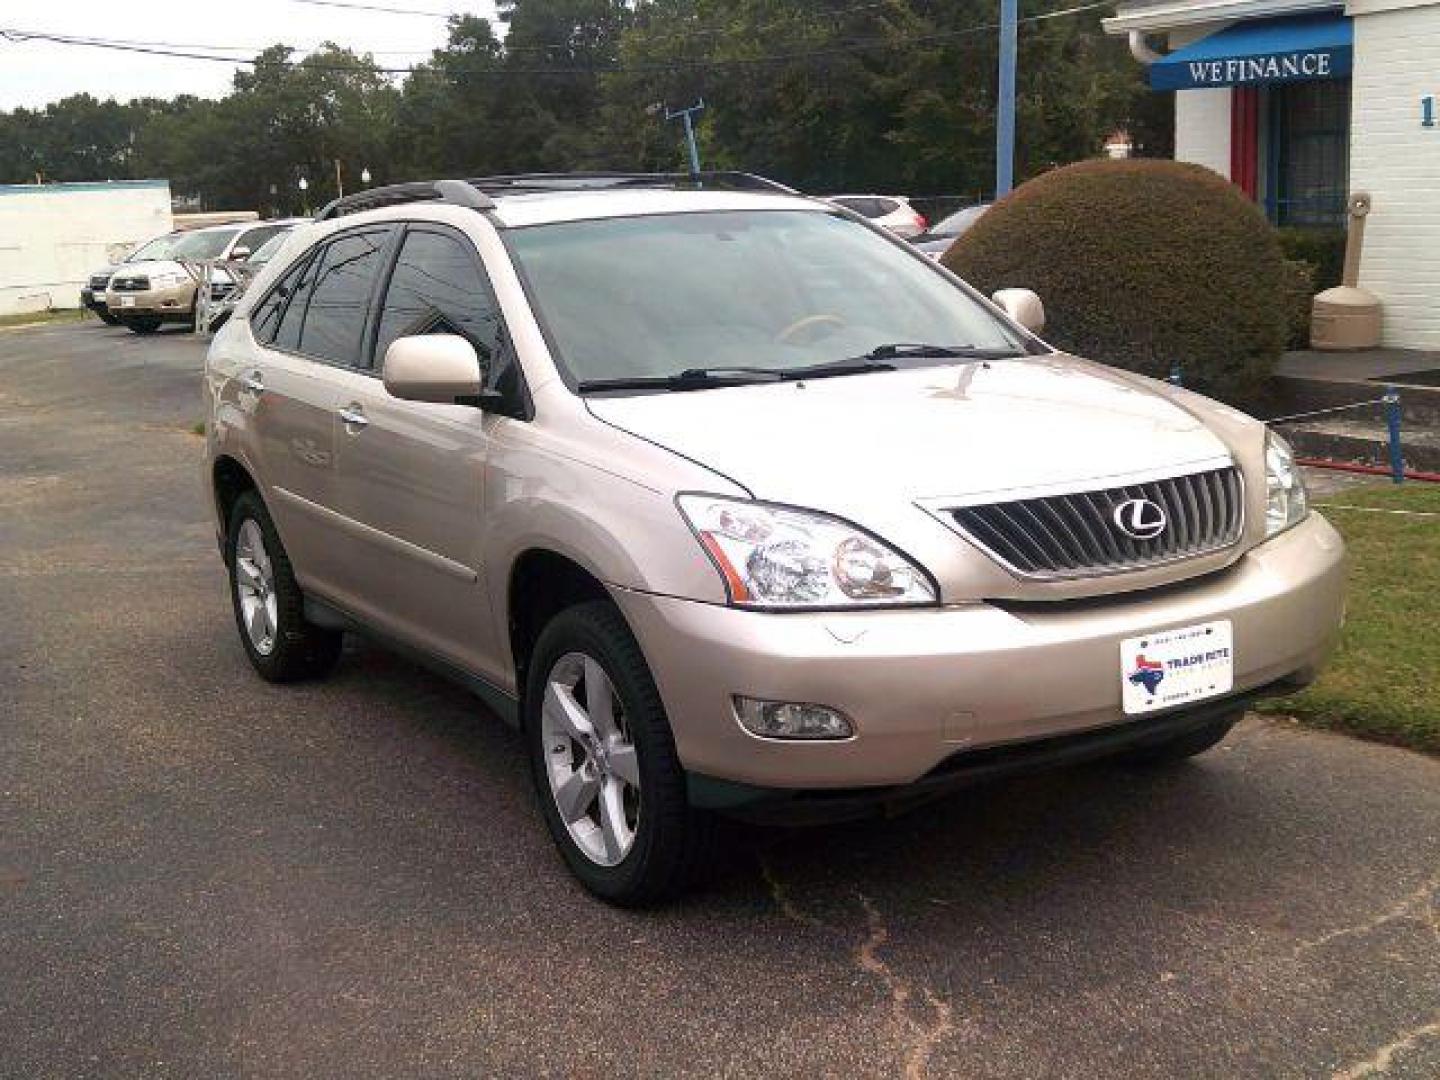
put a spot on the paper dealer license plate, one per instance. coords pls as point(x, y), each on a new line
point(127, 301)
point(1176, 667)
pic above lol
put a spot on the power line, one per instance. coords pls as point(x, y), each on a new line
point(380, 8)
point(659, 67)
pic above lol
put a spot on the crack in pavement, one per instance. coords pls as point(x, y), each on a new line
point(920, 1037)
point(917, 1033)
point(1383, 1058)
point(1418, 906)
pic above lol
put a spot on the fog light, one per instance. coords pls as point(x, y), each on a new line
point(791, 720)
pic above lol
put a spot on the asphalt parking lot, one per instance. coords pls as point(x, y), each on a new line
point(203, 875)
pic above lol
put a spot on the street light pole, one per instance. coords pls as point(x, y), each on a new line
point(1005, 100)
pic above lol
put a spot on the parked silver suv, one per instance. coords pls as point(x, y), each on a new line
point(735, 503)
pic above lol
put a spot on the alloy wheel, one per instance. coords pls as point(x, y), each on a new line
point(255, 587)
point(590, 759)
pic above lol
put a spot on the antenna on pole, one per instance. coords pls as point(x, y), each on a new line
point(687, 115)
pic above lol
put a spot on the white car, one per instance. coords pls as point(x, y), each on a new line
point(148, 293)
point(894, 212)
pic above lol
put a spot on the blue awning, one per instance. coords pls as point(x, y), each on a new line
point(1261, 51)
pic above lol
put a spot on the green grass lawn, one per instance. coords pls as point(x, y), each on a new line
point(29, 318)
point(1384, 680)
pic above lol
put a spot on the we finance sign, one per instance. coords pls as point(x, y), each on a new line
point(1254, 54)
point(1237, 71)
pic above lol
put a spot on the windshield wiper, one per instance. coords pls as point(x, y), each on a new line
point(689, 379)
point(915, 350)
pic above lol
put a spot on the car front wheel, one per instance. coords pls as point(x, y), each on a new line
point(604, 762)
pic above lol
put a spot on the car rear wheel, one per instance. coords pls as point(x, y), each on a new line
point(1182, 747)
point(604, 762)
point(269, 608)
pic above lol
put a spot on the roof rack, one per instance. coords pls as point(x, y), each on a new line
point(476, 193)
point(534, 183)
point(455, 192)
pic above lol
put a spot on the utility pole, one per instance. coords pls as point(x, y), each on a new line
point(1005, 100)
point(339, 184)
point(686, 115)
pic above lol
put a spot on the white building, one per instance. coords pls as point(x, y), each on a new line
point(53, 236)
point(1301, 102)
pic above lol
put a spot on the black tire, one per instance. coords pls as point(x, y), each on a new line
point(143, 324)
point(105, 316)
point(299, 648)
point(1182, 747)
point(672, 840)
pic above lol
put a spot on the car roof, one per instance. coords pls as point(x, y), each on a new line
point(519, 211)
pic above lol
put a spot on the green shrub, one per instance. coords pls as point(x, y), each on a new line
point(1324, 249)
point(1142, 264)
point(1298, 283)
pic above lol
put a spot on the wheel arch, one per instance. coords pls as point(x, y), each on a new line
point(229, 479)
point(542, 583)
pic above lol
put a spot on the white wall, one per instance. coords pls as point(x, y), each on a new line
point(1202, 128)
point(1202, 117)
point(53, 236)
point(1397, 60)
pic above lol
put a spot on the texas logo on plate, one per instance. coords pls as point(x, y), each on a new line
point(1176, 667)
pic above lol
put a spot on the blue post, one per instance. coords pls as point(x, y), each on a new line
point(1005, 100)
point(1392, 421)
point(687, 116)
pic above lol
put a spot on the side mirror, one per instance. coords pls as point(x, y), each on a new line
point(240, 254)
point(441, 368)
point(1023, 306)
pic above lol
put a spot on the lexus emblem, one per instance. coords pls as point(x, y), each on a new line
point(1140, 518)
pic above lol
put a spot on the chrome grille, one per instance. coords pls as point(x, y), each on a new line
point(1076, 534)
point(130, 284)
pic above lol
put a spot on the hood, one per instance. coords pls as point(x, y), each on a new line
point(853, 443)
point(151, 267)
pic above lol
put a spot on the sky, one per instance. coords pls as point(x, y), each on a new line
point(35, 73)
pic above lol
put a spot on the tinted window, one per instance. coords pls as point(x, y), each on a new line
point(339, 296)
point(266, 316)
point(439, 287)
point(292, 316)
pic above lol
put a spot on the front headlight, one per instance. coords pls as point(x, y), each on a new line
point(776, 557)
point(1285, 500)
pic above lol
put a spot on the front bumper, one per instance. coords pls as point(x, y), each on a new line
point(176, 302)
point(924, 685)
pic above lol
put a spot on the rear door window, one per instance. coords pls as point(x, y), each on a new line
point(339, 297)
point(265, 319)
point(292, 317)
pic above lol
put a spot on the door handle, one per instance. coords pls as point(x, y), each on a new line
point(253, 382)
point(353, 417)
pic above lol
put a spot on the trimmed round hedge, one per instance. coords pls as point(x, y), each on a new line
point(1142, 264)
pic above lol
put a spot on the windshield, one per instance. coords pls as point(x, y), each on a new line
point(266, 251)
point(203, 245)
point(158, 248)
point(648, 297)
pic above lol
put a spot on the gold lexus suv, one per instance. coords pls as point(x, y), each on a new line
point(734, 503)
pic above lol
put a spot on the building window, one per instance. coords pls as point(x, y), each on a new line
point(1310, 153)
